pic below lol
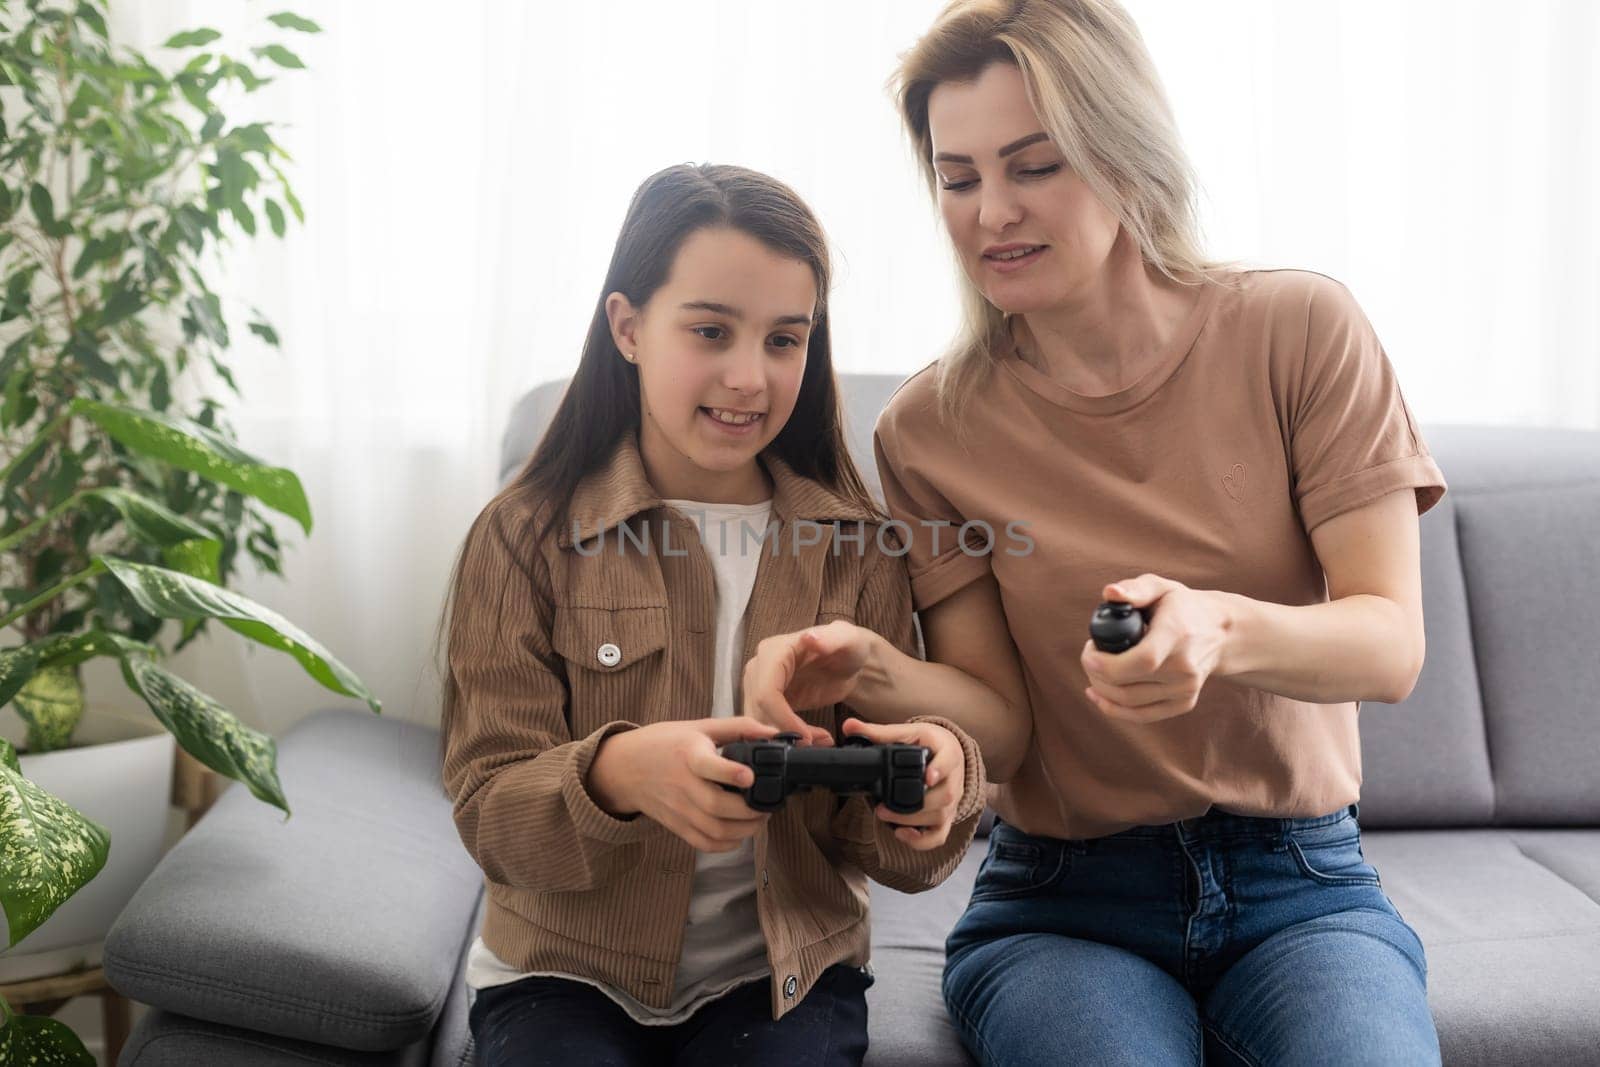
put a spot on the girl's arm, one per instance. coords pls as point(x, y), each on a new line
point(517, 777)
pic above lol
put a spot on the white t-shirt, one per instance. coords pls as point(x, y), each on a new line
point(723, 944)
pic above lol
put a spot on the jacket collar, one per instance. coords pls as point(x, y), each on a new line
point(618, 489)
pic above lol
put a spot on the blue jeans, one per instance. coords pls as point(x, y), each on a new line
point(537, 1021)
point(1222, 939)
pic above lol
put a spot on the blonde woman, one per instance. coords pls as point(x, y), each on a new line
point(1176, 874)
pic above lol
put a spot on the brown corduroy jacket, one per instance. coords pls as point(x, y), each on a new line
point(572, 888)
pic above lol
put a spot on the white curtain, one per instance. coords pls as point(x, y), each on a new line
point(465, 167)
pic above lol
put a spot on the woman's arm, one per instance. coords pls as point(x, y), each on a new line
point(972, 676)
point(1366, 643)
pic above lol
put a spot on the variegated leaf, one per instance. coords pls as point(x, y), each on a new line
point(172, 595)
point(51, 705)
point(16, 667)
point(48, 849)
point(208, 731)
point(40, 1041)
point(186, 545)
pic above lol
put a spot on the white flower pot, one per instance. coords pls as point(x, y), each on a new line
point(119, 773)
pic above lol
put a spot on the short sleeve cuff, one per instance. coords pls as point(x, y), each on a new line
point(946, 576)
point(1419, 472)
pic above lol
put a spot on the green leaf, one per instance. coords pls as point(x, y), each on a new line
point(71, 649)
point(51, 851)
point(280, 55)
point(192, 38)
point(151, 522)
point(122, 303)
point(213, 126)
point(290, 21)
point(46, 1042)
point(208, 731)
point(201, 557)
point(44, 210)
point(86, 352)
point(265, 332)
point(171, 595)
point(189, 446)
point(275, 216)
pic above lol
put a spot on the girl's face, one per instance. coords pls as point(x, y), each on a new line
point(1004, 189)
point(721, 351)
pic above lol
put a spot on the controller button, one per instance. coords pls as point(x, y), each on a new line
point(767, 757)
point(907, 758)
point(907, 793)
point(767, 791)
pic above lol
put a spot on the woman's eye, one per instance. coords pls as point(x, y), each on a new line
point(701, 330)
point(789, 341)
point(1041, 171)
point(956, 187)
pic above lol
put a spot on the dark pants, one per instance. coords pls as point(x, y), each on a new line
point(536, 1021)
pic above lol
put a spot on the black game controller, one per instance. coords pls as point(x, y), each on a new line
point(1117, 626)
point(890, 774)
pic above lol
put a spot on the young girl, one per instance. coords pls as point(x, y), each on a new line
point(692, 497)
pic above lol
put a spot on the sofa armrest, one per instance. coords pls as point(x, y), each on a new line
point(342, 924)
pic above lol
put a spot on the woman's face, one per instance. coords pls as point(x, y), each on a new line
point(1004, 189)
point(725, 335)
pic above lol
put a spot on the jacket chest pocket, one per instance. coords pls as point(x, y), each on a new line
point(616, 663)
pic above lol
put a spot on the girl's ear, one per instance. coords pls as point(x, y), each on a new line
point(624, 320)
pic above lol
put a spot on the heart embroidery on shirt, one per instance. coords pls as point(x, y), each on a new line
point(1233, 482)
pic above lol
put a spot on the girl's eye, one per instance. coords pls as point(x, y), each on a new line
point(956, 187)
point(1041, 171)
point(791, 342)
point(701, 330)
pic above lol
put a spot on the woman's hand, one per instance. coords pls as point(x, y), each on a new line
point(671, 771)
point(1163, 674)
point(811, 668)
point(944, 780)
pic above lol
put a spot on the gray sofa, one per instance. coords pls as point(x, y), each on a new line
point(338, 937)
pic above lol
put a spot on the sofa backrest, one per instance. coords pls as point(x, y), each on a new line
point(1504, 725)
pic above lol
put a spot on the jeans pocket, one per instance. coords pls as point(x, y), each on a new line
point(1331, 855)
point(1016, 865)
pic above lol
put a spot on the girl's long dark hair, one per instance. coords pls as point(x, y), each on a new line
point(602, 400)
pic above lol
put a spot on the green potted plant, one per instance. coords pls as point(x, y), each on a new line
point(121, 505)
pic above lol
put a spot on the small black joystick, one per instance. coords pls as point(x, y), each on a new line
point(1117, 626)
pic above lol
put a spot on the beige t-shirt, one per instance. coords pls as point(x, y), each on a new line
point(1274, 409)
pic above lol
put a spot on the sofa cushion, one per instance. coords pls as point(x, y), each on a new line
point(1510, 920)
point(452, 1040)
point(1425, 761)
point(341, 925)
point(1533, 587)
point(167, 1039)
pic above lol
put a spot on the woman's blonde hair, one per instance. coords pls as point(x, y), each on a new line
point(1092, 84)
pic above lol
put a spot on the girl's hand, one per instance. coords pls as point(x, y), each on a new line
point(1162, 675)
point(672, 772)
point(944, 780)
point(806, 669)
